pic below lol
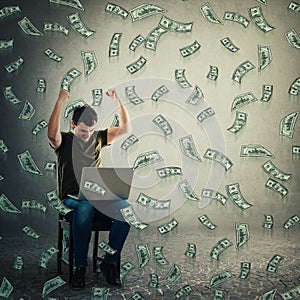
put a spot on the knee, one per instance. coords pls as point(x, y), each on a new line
point(85, 210)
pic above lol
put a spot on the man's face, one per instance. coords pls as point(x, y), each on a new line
point(83, 132)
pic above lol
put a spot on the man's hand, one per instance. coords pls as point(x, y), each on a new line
point(113, 94)
point(63, 95)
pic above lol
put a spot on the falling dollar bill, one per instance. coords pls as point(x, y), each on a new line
point(268, 222)
point(14, 65)
point(159, 92)
point(137, 65)
point(205, 220)
point(191, 250)
point(188, 148)
point(39, 126)
point(183, 292)
point(28, 27)
point(115, 122)
point(262, 1)
point(291, 294)
point(293, 38)
point(219, 248)
point(106, 248)
point(30, 232)
point(180, 78)
point(204, 114)
point(196, 96)
point(153, 37)
point(276, 187)
point(267, 92)
point(6, 44)
point(190, 49)
point(220, 277)
point(254, 150)
point(72, 106)
point(229, 45)
point(295, 149)
point(137, 296)
point(53, 55)
point(242, 100)
point(51, 285)
point(173, 274)
point(150, 202)
point(57, 204)
point(187, 191)
point(242, 70)
point(295, 87)
point(145, 10)
point(125, 269)
point(78, 26)
point(274, 263)
point(234, 193)
point(33, 204)
point(70, 3)
point(290, 222)
point(239, 122)
point(153, 281)
point(169, 171)
point(209, 14)
point(264, 56)
point(219, 158)
point(294, 7)
point(273, 171)
point(46, 256)
point(8, 206)
point(159, 257)
point(143, 254)
point(99, 293)
point(114, 46)
point(129, 141)
point(97, 97)
point(50, 166)
point(132, 96)
point(94, 188)
point(3, 147)
point(89, 61)
point(168, 227)
point(236, 17)
point(257, 17)
point(116, 10)
point(269, 295)
point(10, 96)
point(55, 27)
point(214, 195)
point(27, 163)
point(69, 78)
point(287, 125)
point(147, 158)
point(172, 25)
point(132, 219)
point(242, 234)
point(245, 270)
point(219, 294)
point(18, 264)
point(8, 10)
point(137, 41)
point(6, 288)
point(213, 73)
point(41, 85)
point(27, 112)
point(163, 124)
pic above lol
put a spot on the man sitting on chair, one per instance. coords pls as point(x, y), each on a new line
point(75, 150)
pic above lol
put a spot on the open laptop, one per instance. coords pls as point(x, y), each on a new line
point(104, 183)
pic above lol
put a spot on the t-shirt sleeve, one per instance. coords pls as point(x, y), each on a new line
point(63, 139)
point(102, 135)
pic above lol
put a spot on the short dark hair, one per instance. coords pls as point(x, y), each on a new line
point(85, 114)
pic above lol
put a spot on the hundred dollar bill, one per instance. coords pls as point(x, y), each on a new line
point(190, 49)
point(294, 7)
point(242, 70)
point(70, 3)
point(293, 38)
point(99, 293)
point(129, 141)
point(214, 195)
point(239, 122)
point(145, 10)
point(264, 56)
point(69, 78)
point(153, 37)
point(28, 27)
point(242, 234)
point(292, 221)
point(3, 147)
point(191, 250)
point(30, 232)
point(245, 270)
point(8, 206)
point(78, 26)
point(138, 40)
point(97, 97)
point(287, 124)
point(276, 187)
point(89, 61)
point(72, 106)
point(106, 248)
point(46, 256)
point(220, 277)
point(137, 65)
point(159, 92)
point(295, 87)
point(125, 269)
point(219, 158)
point(132, 95)
point(213, 73)
point(209, 14)
point(268, 222)
point(165, 228)
point(173, 274)
point(172, 25)
point(242, 100)
point(56, 203)
point(39, 126)
point(137, 296)
point(51, 285)
point(28, 164)
point(273, 263)
point(267, 92)
point(8, 10)
point(204, 114)
point(219, 248)
point(114, 46)
point(196, 96)
point(236, 17)
point(187, 191)
point(18, 264)
point(219, 295)
point(6, 288)
point(291, 294)
point(41, 85)
point(94, 188)
point(295, 150)
point(116, 10)
point(207, 222)
point(6, 44)
point(159, 257)
point(183, 292)
point(273, 171)
point(228, 44)
point(163, 124)
point(55, 27)
point(251, 150)
point(14, 65)
point(50, 166)
point(132, 219)
point(27, 112)
point(10, 96)
point(143, 254)
point(33, 204)
point(188, 148)
point(115, 122)
point(268, 295)
point(147, 158)
point(257, 17)
point(262, 1)
point(168, 171)
point(150, 202)
point(180, 78)
point(234, 193)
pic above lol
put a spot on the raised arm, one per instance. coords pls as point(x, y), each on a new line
point(124, 124)
point(54, 134)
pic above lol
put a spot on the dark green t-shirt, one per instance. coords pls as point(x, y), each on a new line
point(74, 154)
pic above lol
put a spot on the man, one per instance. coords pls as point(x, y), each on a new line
point(77, 149)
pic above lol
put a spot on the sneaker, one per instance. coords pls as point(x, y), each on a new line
point(111, 274)
point(78, 279)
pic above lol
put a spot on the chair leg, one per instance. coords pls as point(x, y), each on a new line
point(59, 246)
point(71, 254)
point(95, 250)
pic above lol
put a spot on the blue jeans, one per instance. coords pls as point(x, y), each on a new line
point(82, 219)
